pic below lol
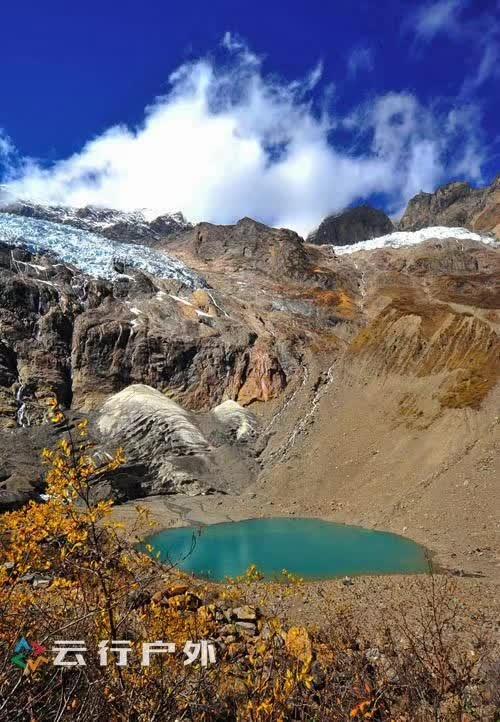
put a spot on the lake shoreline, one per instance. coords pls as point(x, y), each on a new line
point(174, 511)
point(372, 596)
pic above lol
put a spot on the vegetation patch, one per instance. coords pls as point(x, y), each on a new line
point(425, 340)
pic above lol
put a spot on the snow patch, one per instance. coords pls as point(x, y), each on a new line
point(181, 300)
point(401, 239)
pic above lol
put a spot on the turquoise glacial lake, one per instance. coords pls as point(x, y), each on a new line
point(308, 548)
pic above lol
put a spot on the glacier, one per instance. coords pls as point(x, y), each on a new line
point(91, 253)
point(412, 238)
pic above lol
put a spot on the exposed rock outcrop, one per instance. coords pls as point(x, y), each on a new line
point(352, 226)
point(413, 338)
point(455, 204)
point(181, 451)
point(276, 252)
point(84, 339)
point(239, 421)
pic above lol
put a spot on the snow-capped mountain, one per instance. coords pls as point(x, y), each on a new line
point(139, 226)
point(91, 253)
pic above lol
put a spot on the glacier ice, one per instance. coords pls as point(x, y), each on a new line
point(91, 253)
point(400, 239)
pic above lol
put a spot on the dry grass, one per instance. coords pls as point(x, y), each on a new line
point(425, 340)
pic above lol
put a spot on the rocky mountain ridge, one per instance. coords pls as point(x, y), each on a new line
point(123, 226)
point(456, 204)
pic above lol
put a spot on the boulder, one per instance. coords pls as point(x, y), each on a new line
point(176, 590)
point(246, 613)
point(246, 628)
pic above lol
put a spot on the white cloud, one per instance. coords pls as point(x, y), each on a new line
point(6, 148)
point(461, 122)
point(489, 64)
point(480, 32)
point(360, 59)
point(226, 143)
point(419, 144)
point(437, 17)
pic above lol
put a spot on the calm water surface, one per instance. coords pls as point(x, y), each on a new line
point(309, 548)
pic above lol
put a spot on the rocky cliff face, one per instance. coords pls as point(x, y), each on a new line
point(85, 339)
point(352, 226)
point(456, 204)
point(252, 247)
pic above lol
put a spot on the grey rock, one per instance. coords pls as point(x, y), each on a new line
point(170, 443)
point(351, 226)
point(246, 613)
point(226, 630)
point(41, 582)
point(373, 654)
point(247, 628)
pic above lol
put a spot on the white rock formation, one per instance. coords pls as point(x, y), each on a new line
point(241, 421)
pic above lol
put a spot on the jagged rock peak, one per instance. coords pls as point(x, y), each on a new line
point(352, 226)
point(246, 244)
point(455, 204)
point(138, 226)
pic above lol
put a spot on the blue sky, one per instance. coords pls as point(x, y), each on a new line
point(283, 111)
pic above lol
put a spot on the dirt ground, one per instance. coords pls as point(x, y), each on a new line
point(355, 460)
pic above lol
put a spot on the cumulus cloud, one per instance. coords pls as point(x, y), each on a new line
point(228, 141)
